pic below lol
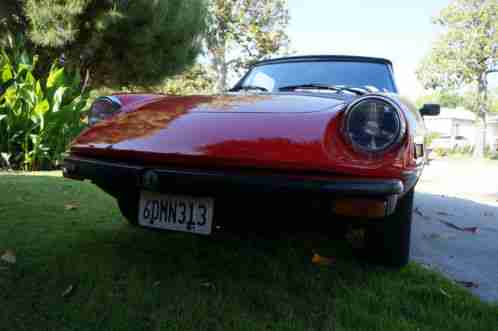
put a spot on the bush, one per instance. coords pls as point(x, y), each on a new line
point(38, 116)
point(430, 137)
point(441, 152)
point(195, 80)
point(465, 150)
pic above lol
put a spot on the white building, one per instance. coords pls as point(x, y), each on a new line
point(461, 122)
point(492, 122)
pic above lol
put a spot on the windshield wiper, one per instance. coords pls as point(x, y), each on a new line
point(315, 86)
point(252, 87)
point(337, 88)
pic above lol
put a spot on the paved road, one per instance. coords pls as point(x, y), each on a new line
point(456, 223)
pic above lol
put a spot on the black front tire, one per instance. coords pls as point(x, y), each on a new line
point(129, 208)
point(388, 243)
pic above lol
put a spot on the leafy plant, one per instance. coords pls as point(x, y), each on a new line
point(38, 116)
point(430, 138)
point(460, 151)
point(465, 150)
point(441, 152)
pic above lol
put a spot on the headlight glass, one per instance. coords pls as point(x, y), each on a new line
point(102, 109)
point(373, 124)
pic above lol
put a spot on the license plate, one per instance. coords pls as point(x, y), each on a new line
point(175, 212)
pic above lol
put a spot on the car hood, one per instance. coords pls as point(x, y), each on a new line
point(244, 103)
point(284, 131)
point(233, 125)
point(145, 119)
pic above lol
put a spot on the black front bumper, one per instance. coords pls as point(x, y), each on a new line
point(115, 177)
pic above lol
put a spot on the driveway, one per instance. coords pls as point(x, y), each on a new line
point(455, 226)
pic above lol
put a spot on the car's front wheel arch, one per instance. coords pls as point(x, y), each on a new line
point(388, 242)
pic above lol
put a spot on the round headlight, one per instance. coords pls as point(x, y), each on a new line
point(103, 108)
point(373, 124)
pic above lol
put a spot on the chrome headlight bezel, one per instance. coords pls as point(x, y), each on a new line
point(103, 108)
point(400, 125)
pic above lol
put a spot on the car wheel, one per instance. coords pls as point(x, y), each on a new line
point(129, 208)
point(388, 243)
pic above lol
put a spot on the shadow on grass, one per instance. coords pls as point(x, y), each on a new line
point(128, 278)
point(124, 273)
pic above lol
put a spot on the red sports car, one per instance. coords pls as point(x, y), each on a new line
point(295, 136)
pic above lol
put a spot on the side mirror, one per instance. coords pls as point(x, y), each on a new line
point(430, 109)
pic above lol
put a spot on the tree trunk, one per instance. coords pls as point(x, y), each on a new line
point(221, 69)
point(480, 143)
point(222, 84)
point(482, 90)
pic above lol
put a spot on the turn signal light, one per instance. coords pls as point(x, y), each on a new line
point(355, 207)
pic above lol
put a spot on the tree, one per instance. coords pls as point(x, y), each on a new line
point(465, 54)
point(241, 32)
point(119, 42)
point(494, 101)
point(10, 19)
point(447, 99)
point(195, 80)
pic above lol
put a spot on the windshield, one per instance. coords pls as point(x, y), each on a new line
point(273, 77)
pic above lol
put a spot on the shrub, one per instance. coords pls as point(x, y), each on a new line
point(38, 116)
point(195, 80)
point(430, 137)
point(441, 152)
point(465, 150)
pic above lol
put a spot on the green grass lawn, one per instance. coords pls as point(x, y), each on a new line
point(127, 278)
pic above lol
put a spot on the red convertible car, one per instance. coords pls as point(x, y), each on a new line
point(314, 133)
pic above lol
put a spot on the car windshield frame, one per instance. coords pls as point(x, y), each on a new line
point(389, 79)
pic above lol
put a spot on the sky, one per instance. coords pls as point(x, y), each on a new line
point(399, 30)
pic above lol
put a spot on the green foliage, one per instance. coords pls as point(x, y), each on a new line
point(196, 80)
point(430, 137)
point(459, 151)
point(118, 42)
point(468, 47)
point(490, 153)
point(465, 54)
point(447, 99)
point(241, 32)
point(54, 23)
point(38, 116)
point(463, 150)
point(493, 105)
point(472, 101)
point(440, 152)
point(466, 100)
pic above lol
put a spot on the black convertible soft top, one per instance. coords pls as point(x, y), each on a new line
point(347, 58)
